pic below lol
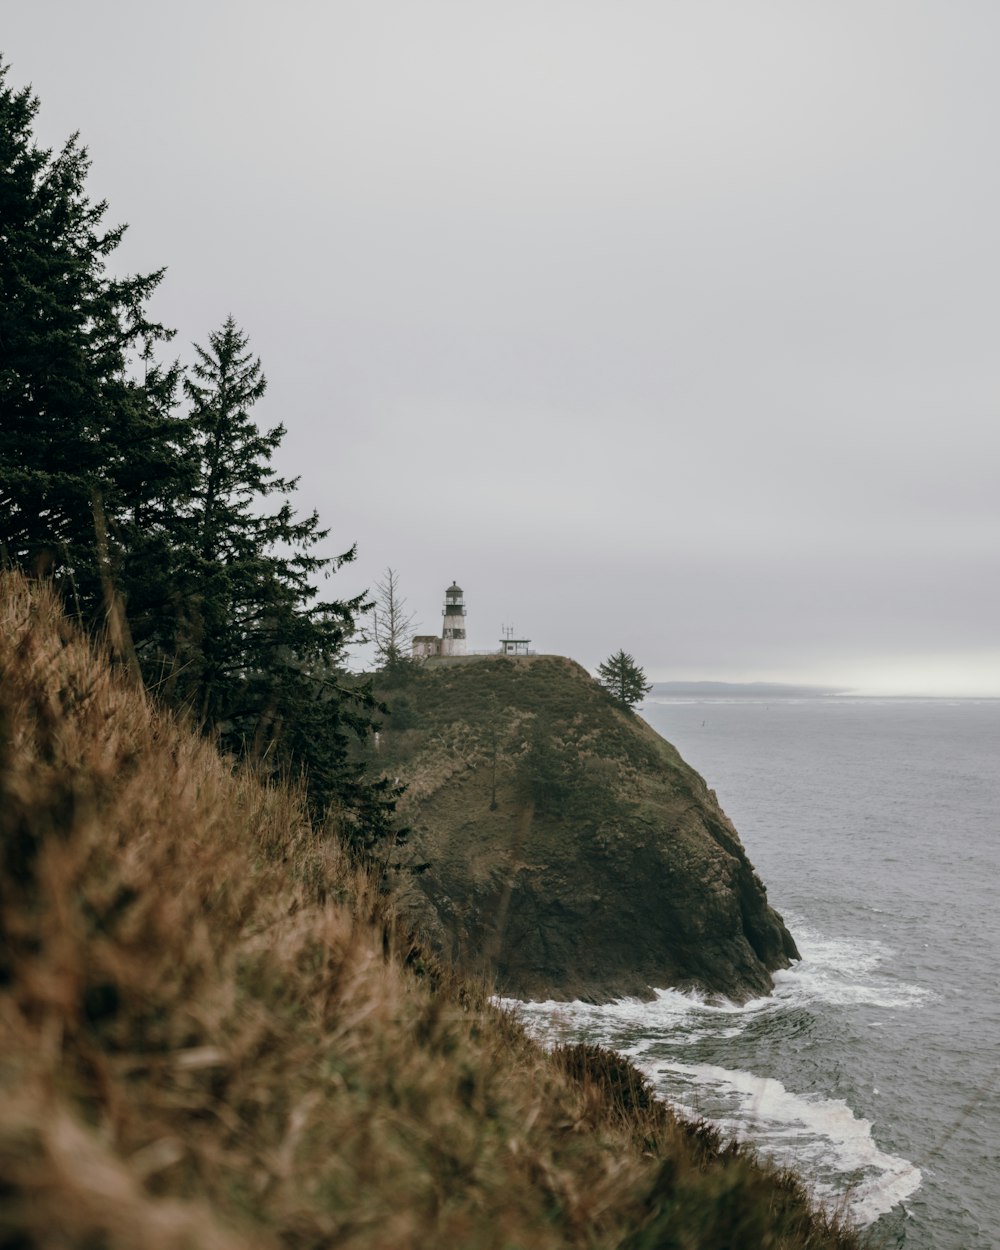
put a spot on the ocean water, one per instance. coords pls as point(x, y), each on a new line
point(874, 1068)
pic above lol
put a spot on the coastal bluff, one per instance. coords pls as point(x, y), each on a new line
point(572, 852)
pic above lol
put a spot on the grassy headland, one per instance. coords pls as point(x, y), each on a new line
point(211, 1035)
point(573, 852)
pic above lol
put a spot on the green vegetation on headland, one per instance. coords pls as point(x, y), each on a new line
point(574, 854)
point(214, 1033)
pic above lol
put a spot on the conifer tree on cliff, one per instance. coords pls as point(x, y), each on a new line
point(626, 681)
point(257, 656)
point(88, 457)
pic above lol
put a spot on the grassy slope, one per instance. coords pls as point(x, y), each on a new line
point(209, 1036)
point(453, 715)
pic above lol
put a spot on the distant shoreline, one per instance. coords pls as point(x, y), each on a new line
point(780, 690)
point(752, 689)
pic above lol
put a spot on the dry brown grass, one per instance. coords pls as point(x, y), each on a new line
point(210, 1036)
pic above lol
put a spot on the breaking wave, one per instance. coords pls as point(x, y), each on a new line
point(694, 1048)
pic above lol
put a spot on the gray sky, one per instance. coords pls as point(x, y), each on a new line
point(667, 326)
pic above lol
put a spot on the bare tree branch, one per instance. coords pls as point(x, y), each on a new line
point(392, 625)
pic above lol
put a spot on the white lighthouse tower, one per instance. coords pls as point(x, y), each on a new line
point(453, 627)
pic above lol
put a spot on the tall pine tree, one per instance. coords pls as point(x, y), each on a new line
point(258, 656)
point(87, 453)
point(626, 681)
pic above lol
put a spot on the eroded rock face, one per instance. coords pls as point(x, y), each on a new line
point(574, 854)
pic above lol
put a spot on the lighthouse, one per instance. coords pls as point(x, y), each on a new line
point(453, 627)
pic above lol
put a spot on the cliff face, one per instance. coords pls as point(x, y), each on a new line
point(573, 853)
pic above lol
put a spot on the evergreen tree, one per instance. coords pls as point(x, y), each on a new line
point(87, 451)
point(257, 656)
point(624, 679)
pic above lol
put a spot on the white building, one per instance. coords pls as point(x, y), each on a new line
point(453, 632)
point(509, 645)
point(453, 629)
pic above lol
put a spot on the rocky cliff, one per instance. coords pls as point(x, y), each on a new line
point(573, 853)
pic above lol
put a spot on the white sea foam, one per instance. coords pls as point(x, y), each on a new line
point(820, 1137)
point(681, 1017)
point(844, 973)
point(823, 1133)
point(837, 971)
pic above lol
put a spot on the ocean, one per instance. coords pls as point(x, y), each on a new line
point(874, 1068)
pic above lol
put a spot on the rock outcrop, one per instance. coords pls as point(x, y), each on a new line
point(573, 853)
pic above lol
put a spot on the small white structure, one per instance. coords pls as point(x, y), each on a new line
point(426, 645)
point(453, 633)
point(509, 645)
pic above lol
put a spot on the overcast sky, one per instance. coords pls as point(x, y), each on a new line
point(669, 326)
